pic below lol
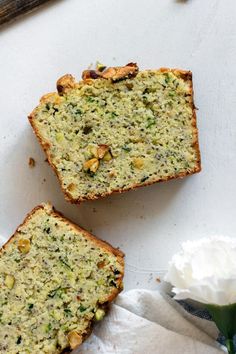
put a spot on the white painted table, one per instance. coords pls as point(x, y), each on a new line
point(65, 37)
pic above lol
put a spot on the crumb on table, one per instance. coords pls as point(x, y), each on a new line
point(31, 162)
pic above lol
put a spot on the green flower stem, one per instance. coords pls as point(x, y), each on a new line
point(225, 319)
point(230, 346)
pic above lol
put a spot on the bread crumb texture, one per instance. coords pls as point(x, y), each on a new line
point(102, 135)
point(55, 279)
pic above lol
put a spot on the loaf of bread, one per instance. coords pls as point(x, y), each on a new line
point(55, 280)
point(118, 129)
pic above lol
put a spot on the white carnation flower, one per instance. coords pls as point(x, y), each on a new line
point(205, 271)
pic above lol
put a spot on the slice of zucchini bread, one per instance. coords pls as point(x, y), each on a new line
point(118, 129)
point(55, 280)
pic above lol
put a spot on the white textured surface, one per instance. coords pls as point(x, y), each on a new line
point(66, 36)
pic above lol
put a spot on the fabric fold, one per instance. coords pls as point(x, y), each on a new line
point(143, 321)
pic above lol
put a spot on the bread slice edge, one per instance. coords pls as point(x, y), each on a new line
point(184, 74)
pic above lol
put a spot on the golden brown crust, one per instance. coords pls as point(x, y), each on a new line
point(186, 76)
point(135, 186)
point(51, 97)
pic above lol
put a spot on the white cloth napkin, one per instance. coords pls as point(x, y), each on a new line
point(143, 321)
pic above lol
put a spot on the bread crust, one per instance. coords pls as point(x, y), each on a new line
point(184, 74)
point(102, 244)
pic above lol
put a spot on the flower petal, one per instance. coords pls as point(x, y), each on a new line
point(205, 271)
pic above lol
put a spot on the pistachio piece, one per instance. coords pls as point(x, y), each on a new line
point(99, 314)
point(138, 163)
point(74, 339)
point(120, 73)
point(90, 74)
point(91, 165)
point(24, 245)
point(9, 281)
point(94, 151)
point(65, 83)
point(100, 67)
point(102, 150)
point(59, 137)
point(112, 73)
point(107, 157)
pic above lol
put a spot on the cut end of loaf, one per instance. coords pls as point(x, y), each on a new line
point(56, 279)
point(119, 129)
